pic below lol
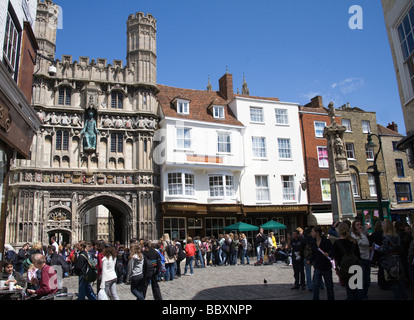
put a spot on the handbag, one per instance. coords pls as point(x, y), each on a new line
point(102, 295)
point(91, 274)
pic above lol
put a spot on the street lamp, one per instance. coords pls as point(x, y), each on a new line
point(375, 172)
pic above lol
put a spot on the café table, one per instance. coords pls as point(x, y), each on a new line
point(18, 294)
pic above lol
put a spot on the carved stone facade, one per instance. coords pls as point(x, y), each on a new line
point(64, 178)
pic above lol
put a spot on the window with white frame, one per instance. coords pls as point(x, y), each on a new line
point(284, 148)
point(323, 157)
point(350, 151)
point(11, 46)
point(370, 153)
point(281, 116)
point(406, 38)
point(180, 183)
point(326, 189)
point(354, 184)
point(224, 142)
point(319, 127)
point(256, 114)
point(183, 107)
point(259, 147)
point(347, 124)
point(372, 186)
point(221, 186)
point(366, 126)
point(183, 138)
point(218, 112)
point(288, 188)
point(175, 227)
point(262, 188)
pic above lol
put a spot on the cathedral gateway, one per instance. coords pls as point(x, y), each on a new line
point(90, 174)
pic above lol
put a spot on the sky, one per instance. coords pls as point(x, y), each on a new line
point(292, 50)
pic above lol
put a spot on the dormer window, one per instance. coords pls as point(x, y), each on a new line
point(218, 112)
point(183, 107)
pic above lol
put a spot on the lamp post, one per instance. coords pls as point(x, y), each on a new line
point(376, 173)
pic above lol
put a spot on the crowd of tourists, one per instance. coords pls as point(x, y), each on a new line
point(351, 251)
point(313, 255)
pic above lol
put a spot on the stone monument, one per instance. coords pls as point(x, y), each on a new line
point(342, 198)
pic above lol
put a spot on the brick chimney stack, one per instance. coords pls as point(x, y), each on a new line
point(316, 103)
point(226, 86)
point(393, 126)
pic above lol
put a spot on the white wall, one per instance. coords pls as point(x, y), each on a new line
point(203, 143)
point(271, 166)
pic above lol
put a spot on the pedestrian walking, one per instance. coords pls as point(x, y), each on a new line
point(81, 267)
point(136, 272)
point(151, 254)
point(109, 276)
point(321, 249)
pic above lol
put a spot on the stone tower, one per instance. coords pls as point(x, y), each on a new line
point(141, 47)
point(94, 147)
point(46, 26)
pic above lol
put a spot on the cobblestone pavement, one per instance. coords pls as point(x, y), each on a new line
point(240, 283)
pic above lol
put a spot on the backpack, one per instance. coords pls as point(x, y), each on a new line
point(349, 259)
point(149, 269)
point(225, 247)
point(171, 249)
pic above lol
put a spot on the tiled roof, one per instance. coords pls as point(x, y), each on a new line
point(200, 101)
point(255, 97)
point(387, 132)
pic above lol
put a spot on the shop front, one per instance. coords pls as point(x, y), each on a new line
point(182, 220)
point(368, 211)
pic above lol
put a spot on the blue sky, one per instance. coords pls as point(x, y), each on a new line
point(292, 50)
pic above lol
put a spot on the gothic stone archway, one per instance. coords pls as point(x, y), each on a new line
point(120, 209)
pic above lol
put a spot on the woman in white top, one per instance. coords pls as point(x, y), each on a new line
point(109, 275)
point(357, 232)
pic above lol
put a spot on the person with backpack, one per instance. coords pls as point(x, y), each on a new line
point(152, 255)
point(346, 253)
point(136, 273)
point(81, 268)
point(170, 254)
point(321, 249)
point(198, 256)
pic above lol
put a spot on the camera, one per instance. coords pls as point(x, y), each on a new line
point(52, 71)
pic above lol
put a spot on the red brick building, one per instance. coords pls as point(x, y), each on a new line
point(313, 119)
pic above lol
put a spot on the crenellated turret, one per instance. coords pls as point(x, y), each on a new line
point(142, 48)
point(46, 26)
